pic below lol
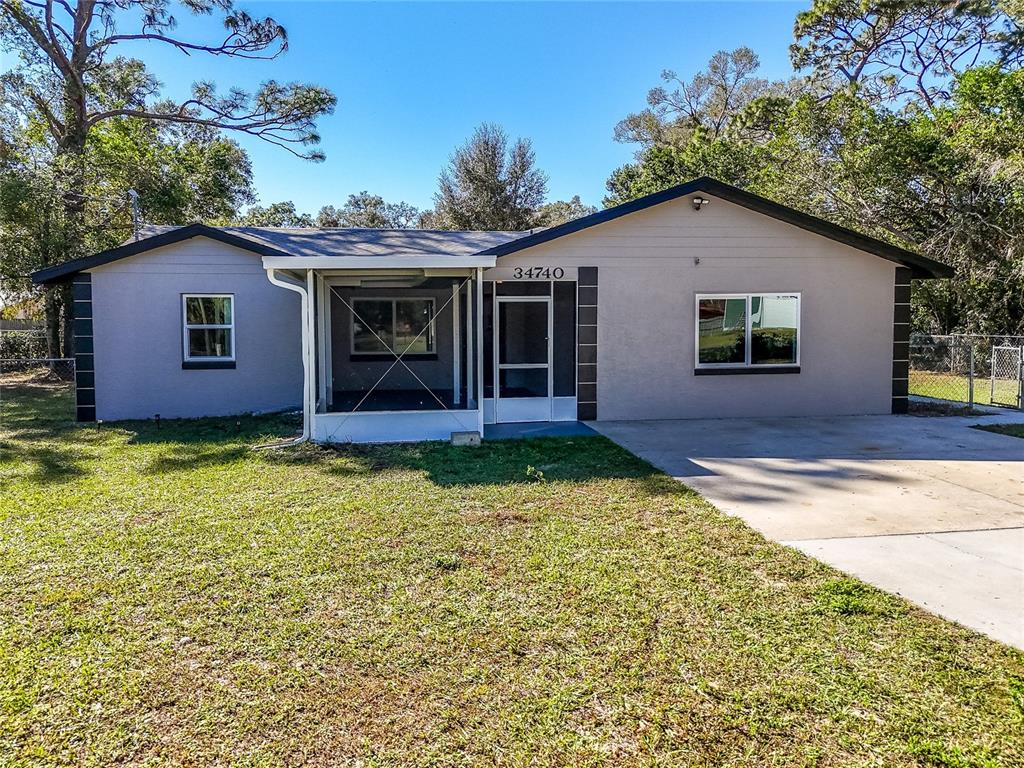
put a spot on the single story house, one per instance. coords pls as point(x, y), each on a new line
point(699, 301)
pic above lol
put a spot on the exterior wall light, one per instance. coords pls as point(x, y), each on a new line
point(699, 202)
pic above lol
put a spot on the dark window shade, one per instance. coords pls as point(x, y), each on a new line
point(564, 352)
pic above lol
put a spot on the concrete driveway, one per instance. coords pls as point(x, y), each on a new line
point(924, 507)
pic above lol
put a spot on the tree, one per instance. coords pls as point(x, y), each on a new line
point(901, 49)
point(369, 211)
point(489, 185)
point(181, 173)
point(560, 211)
point(708, 102)
point(282, 215)
point(71, 80)
point(948, 182)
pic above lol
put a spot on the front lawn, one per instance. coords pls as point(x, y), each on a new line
point(1014, 430)
point(171, 597)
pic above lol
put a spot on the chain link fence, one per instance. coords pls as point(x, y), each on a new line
point(977, 370)
point(62, 369)
point(24, 352)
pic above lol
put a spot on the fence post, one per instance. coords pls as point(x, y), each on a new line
point(970, 377)
point(1020, 379)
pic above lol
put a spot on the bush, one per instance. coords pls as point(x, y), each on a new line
point(22, 345)
point(773, 344)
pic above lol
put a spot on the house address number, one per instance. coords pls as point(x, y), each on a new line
point(537, 273)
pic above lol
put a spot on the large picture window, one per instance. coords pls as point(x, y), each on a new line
point(208, 327)
point(383, 326)
point(748, 330)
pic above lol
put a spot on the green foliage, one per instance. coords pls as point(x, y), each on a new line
point(369, 211)
point(848, 597)
point(772, 344)
point(281, 215)
point(561, 211)
point(489, 185)
point(900, 50)
point(947, 181)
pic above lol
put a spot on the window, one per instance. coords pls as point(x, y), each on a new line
point(209, 327)
point(748, 330)
point(383, 326)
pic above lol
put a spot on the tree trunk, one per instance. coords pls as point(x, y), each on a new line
point(67, 343)
point(51, 314)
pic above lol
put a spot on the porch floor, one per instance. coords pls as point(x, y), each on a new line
point(537, 429)
point(391, 400)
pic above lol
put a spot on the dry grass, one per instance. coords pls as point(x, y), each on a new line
point(170, 597)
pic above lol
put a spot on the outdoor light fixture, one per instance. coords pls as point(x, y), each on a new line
point(699, 202)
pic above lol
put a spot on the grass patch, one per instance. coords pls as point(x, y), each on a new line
point(1013, 430)
point(169, 596)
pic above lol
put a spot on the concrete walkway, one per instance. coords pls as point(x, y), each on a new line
point(925, 507)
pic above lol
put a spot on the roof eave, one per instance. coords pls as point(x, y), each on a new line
point(63, 271)
point(427, 261)
point(922, 267)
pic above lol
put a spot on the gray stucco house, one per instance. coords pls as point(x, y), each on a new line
point(698, 301)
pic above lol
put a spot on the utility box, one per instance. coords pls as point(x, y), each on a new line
point(465, 438)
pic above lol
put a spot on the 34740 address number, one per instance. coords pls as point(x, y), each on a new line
point(538, 273)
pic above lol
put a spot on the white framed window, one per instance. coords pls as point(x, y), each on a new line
point(208, 327)
point(747, 330)
point(385, 325)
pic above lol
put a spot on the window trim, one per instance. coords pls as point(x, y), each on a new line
point(206, 360)
point(746, 365)
point(430, 353)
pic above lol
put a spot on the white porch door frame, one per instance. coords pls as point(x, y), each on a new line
point(523, 409)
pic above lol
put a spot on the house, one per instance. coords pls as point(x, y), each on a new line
point(699, 301)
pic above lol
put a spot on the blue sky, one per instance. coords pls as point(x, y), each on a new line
point(414, 79)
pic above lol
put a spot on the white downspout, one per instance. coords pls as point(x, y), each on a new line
point(307, 372)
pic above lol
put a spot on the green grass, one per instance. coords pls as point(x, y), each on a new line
point(171, 597)
point(1014, 430)
point(949, 386)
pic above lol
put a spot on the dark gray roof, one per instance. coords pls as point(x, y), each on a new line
point(426, 242)
point(336, 241)
point(304, 241)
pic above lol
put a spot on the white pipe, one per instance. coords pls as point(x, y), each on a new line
point(307, 373)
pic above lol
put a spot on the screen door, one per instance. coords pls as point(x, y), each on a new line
point(522, 348)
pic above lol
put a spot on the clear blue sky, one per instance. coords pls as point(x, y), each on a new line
point(414, 79)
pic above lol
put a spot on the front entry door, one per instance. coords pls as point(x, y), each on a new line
point(522, 346)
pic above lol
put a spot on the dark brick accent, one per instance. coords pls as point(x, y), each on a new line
point(901, 340)
point(82, 344)
point(587, 316)
point(82, 326)
point(587, 296)
point(586, 343)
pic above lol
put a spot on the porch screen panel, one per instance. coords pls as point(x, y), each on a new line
point(564, 352)
point(488, 339)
